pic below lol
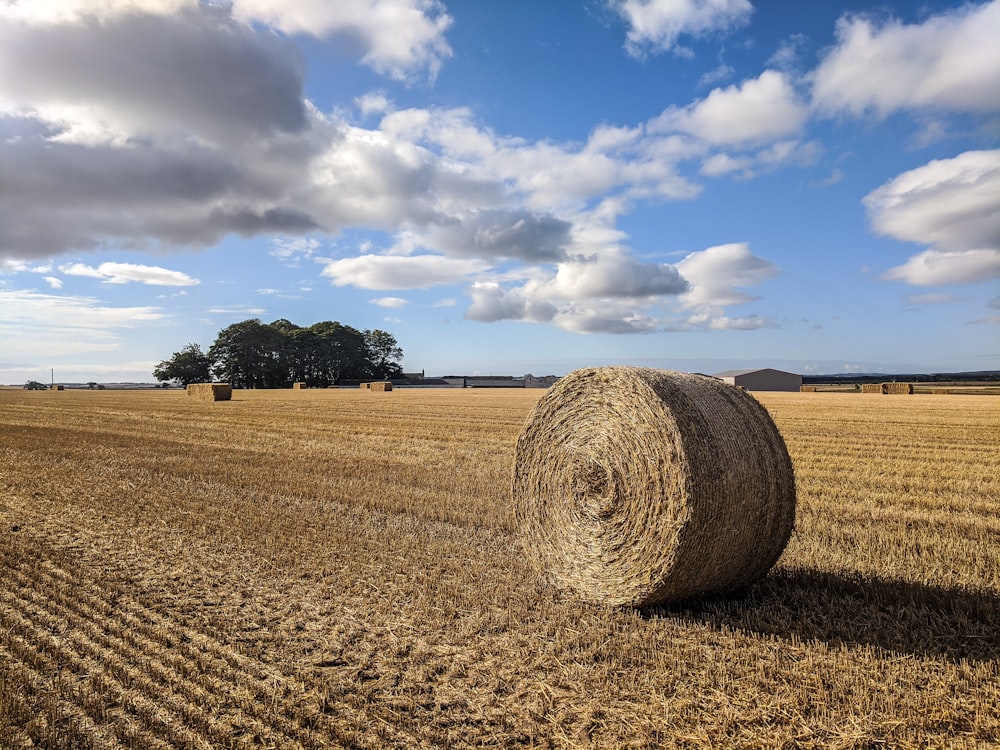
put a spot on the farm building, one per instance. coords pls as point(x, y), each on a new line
point(764, 379)
point(484, 381)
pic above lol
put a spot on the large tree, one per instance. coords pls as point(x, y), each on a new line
point(384, 354)
point(250, 354)
point(189, 365)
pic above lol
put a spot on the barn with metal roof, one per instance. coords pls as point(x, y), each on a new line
point(764, 379)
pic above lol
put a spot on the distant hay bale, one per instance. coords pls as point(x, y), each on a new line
point(57, 388)
point(896, 389)
point(635, 486)
point(807, 389)
point(871, 387)
point(210, 391)
point(939, 391)
point(365, 386)
point(299, 386)
point(381, 386)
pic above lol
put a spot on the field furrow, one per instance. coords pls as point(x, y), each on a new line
point(139, 667)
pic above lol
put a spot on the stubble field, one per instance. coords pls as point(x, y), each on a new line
point(341, 569)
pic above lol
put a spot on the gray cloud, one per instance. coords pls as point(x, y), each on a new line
point(527, 236)
point(491, 303)
point(196, 72)
point(71, 196)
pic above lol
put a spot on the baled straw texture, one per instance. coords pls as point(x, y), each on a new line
point(299, 386)
point(871, 387)
point(634, 486)
point(380, 386)
point(897, 389)
point(807, 389)
point(210, 391)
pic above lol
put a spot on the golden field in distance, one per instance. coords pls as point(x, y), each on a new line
point(340, 568)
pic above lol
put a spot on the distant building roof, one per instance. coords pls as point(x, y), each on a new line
point(736, 373)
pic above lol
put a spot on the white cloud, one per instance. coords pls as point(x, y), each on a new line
point(717, 275)
point(237, 310)
point(717, 74)
point(36, 324)
point(760, 109)
point(53, 281)
point(763, 160)
point(398, 36)
point(75, 11)
point(714, 321)
point(292, 250)
point(15, 265)
point(657, 24)
point(950, 205)
point(606, 317)
point(373, 103)
point(388, 301)
point(950, 61)
point(720, 164)
point(123, 273)
point(786, 57)
point(941, 267)
point(400, 272)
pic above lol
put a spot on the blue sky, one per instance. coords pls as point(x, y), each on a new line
point(507, 187)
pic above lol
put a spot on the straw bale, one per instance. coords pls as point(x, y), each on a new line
point(807, 389)
point(57, 388)
point(210, 391)
point(634, 486)
point(897, 388)
point(365, 386)
point(940, 391)
point(871, 387)
point(299, 386)
point(380, 386)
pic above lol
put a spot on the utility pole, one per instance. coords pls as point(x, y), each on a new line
point(52, 375)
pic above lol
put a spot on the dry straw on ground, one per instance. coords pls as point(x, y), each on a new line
point(210, 391)
point(897, 389)
point(635, 486)
point(871, 387)
point(380, 386)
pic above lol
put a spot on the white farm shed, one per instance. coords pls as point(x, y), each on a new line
point(762, 380)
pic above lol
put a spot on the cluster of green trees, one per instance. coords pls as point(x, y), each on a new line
point(252, 354)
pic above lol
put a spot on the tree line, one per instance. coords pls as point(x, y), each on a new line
point(252, 354)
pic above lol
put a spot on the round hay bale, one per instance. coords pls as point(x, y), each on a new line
point(634, 486)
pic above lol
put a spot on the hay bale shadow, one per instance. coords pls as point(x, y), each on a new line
point(897, 616)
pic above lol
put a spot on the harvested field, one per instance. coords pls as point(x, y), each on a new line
point(176, 576)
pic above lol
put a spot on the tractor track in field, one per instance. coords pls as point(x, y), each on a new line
point(122, 674)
